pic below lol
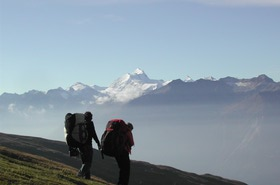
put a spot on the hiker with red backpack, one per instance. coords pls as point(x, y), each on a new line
point(117, 141)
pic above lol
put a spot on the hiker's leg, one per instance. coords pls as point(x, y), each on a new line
point(80, 172)
point(87, 166)
point(126, 168)
point(82, 154)
point(124, 165)
point(87, 161)
point(86, 156)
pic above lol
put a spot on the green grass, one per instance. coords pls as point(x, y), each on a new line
point(22, 168)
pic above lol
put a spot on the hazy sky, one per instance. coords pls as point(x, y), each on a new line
point(45, 44)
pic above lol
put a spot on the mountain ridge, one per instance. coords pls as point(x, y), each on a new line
point(129, 88)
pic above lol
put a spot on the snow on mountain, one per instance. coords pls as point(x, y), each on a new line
point(188, 79)
point(124, 89)
point(260, 83)
point(129, 86)
point(34, 92)
point(78, 86)
point(98, 88)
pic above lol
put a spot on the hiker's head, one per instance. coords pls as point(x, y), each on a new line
point(88, 116)
point(130, 126)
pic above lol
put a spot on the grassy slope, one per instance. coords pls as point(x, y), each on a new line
point(22, 168)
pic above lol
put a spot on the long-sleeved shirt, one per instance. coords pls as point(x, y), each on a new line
point(130, 141)
point(92, 134)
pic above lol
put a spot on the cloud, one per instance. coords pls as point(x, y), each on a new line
point(11, 107)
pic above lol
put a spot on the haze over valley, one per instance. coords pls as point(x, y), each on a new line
point(227, 127)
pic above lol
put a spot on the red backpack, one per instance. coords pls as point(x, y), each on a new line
point(114, 138)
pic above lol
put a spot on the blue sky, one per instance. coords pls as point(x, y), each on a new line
point(55, 43)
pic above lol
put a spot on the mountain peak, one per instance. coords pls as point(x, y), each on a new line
point(188, 79)
point(138, 74)
point(78, 86)
point(131, 86)
point(264, 78)
point(139, 71)
point(34, 92)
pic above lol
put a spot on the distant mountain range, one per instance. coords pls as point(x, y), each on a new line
point(211, 91)
point(138, 89)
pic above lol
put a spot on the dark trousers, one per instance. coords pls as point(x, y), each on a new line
point(124, 166)
point(86, 157)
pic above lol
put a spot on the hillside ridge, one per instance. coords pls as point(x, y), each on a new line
point(141, 172)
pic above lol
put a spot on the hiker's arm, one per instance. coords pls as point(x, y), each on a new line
point(130, 138)
point(94, 136)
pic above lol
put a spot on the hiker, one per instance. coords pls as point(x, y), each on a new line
point(116, 141)
point(85, 149)
point(123, 159)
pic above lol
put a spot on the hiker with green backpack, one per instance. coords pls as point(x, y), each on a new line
point(80, 131)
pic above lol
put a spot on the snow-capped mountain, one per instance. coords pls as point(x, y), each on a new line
point(78, 86)
point(122, 90)
point(188, 79)
point(260, 83)
point(129, 86)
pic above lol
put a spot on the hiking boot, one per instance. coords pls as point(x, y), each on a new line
point(87, 176)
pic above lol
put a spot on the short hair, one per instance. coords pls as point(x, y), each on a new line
point(88, 116)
